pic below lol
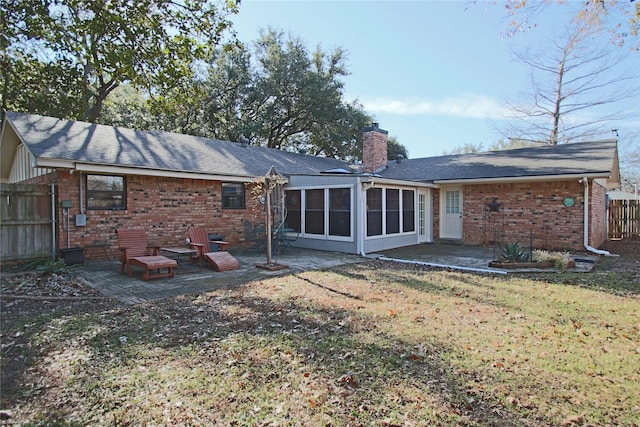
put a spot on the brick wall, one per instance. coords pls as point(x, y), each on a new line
point(597, 215)
point(529, 210)
point(164, 207)
point(374, 148)
point(436, 214)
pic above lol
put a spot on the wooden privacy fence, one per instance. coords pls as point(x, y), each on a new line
point(26, 222)
point(624, 219)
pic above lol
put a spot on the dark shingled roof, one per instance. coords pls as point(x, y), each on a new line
point(597, 157)
point(55, 139)
point(83, 142)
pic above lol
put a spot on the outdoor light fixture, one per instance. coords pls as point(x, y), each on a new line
point(494, 206)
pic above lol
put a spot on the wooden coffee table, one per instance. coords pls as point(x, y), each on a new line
point(178, 252)
point(154, 263)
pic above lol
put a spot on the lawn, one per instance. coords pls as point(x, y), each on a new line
point(372, 344)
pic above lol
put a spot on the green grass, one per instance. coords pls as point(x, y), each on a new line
point(369, 344)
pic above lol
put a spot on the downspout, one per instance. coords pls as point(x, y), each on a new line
point(54, 223)
point(362, 189)
point(585, 181)
point(81, 193)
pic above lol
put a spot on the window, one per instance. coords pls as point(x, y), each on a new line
point(392, 207)
point(314, 212)
point(452, 202)
point(292, 204)
point(408, 211)
point(393, 211)
point(374, 212)
point(232, 195)
point(340, 212)
point(106, 192)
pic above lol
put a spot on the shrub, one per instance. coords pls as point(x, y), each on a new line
point(513, 252)
point(559, 259)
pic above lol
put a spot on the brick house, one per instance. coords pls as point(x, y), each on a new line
point(165, 182)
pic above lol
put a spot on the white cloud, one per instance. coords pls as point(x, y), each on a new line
point(467, 106)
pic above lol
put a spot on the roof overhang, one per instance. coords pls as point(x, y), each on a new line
point(373, 180)
point(129, 170)
point(541, 178)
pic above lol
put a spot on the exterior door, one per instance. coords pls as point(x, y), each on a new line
point(424, 217)
point(451, 213)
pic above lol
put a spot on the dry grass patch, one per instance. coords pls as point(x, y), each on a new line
point(360, 345)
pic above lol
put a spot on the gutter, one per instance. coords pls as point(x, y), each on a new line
point(143, 171)
point(528, 178)
point(585, 181)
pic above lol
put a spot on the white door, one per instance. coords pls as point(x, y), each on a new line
point(424, 217)
point(451, 213)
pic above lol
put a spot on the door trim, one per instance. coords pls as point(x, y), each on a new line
point(448, 229)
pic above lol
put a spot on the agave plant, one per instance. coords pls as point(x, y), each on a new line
point(513, 252)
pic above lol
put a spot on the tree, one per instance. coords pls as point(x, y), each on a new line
point(275, 93)
point(228, 85)
point(28, 84)
point(395, 149)
point(127, 107)
point(152, 44)
point(340, 136)
point(466, 149)
point(293, 90)
point(570, 78)
point(500, 145)
point(619, 19)
point(280, 95)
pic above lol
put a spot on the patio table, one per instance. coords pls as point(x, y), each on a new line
point(178, 252)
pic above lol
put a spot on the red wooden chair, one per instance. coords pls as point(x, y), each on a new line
point(221, 260)
point(134, 250)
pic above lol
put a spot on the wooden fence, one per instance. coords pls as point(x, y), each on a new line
point(624, 219)
point(25, 222)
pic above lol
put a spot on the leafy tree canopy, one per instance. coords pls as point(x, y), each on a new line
point(279, 94)
point(274, 92)
point(89, 48)
point(395, 149)
point(619, 19)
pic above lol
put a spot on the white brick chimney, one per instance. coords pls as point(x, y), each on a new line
point(374, 148)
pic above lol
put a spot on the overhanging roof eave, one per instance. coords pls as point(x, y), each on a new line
point(529, 178)
point(388, 181)
point(129, 170)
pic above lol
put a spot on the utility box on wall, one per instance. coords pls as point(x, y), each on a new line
point(81, 220)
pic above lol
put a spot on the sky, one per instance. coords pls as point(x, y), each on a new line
point(434, 74)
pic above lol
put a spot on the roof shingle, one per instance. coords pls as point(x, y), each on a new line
point(83, 142)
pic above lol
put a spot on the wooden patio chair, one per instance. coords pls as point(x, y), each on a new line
point(221, 260)
point(134, 250)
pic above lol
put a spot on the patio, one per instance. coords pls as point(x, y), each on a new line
point(191, 278)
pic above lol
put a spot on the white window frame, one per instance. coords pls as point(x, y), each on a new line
point(326, 235)
point(384, 234)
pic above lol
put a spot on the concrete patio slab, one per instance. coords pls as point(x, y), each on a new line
point(191, 278)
